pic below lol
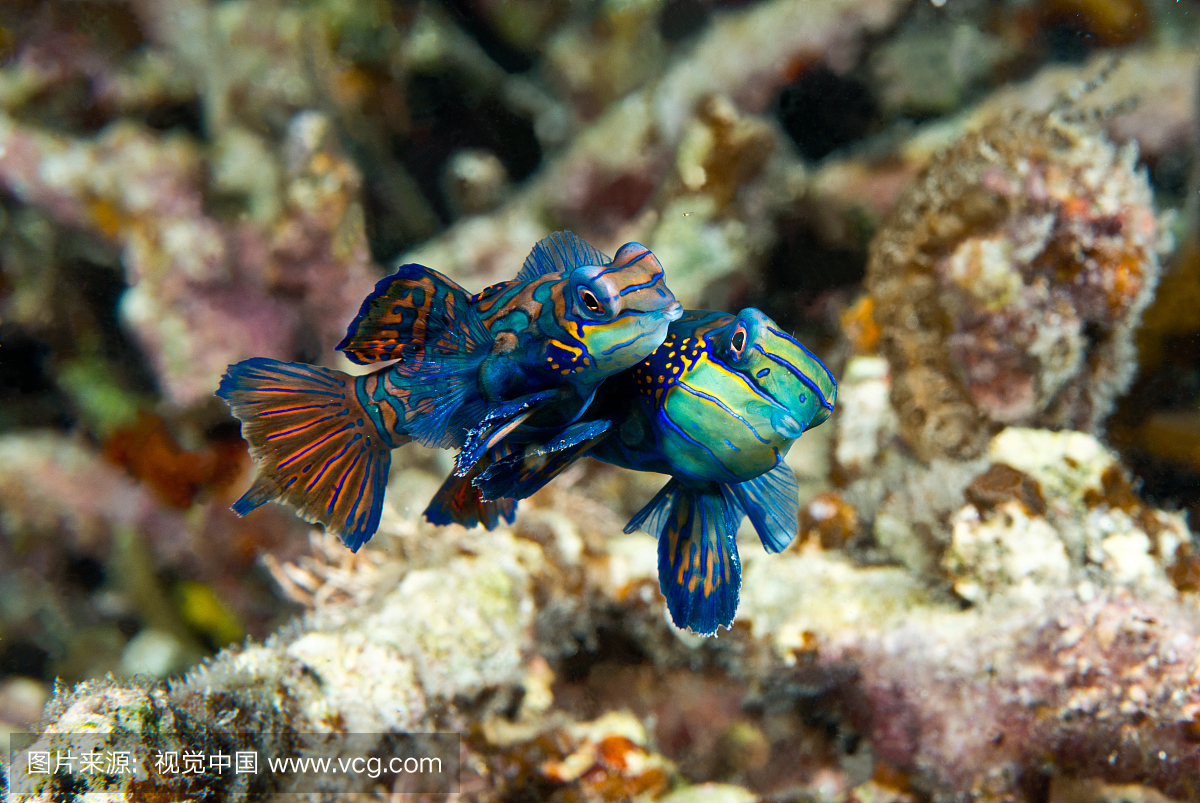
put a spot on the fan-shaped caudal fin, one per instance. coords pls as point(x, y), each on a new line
point(698, 567)
point(316, 444)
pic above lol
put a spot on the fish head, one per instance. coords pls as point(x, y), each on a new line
point(619, 312)
point(800, 389)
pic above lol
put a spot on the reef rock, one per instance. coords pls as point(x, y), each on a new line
point(1009, 280)
point(1073, 656)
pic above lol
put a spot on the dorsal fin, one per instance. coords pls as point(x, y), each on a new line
point(561, 252)
point(414, 311)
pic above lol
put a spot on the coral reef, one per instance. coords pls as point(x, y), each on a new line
point(986, 600)
point(1073, 660)
point(616, 182)
point(201, 293)
point(1009, 280)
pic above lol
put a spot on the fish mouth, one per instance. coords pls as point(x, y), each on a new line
point(786, 425)
point(780, 418)
point(653, 320)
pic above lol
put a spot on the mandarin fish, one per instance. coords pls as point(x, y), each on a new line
point(536, 347)
point(716, 406)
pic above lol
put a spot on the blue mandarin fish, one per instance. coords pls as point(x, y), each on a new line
point(531, 350)
point(716, 406)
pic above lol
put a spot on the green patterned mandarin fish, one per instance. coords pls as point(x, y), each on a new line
point(716, 406)
point(534, 348)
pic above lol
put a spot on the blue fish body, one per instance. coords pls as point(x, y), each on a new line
point(517, 358)
point(716, 406)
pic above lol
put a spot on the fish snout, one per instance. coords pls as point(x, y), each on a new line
point(673, 311)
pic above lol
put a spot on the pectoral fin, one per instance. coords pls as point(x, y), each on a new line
point(498, 424)
point(771, 502)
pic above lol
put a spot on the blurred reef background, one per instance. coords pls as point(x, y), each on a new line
point(984, 215)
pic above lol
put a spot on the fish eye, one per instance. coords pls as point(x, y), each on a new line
point(590, 301)
point(737, 343)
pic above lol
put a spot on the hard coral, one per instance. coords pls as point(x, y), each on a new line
point(205, 292)
point(1055, 509)
point(1009, 280)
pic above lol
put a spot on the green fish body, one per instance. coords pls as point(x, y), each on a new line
point(716, 407)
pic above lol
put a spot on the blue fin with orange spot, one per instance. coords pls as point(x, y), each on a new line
point(316, 446)
point(460, 502)
point(523, 474)
point(772, 503)
point(699, 571)
point(417, 315)
point(561, 252)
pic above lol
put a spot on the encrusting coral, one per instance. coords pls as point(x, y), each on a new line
point(1009, 280)
point(1075, 666)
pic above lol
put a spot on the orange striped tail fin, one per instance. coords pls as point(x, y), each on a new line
point(317, 440)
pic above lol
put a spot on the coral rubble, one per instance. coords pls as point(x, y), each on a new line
point(1009, 280)
point(1074, 658)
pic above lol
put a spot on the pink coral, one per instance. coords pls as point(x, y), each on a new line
point(205, 292)
point(1009, 280)
point(1102, 689)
